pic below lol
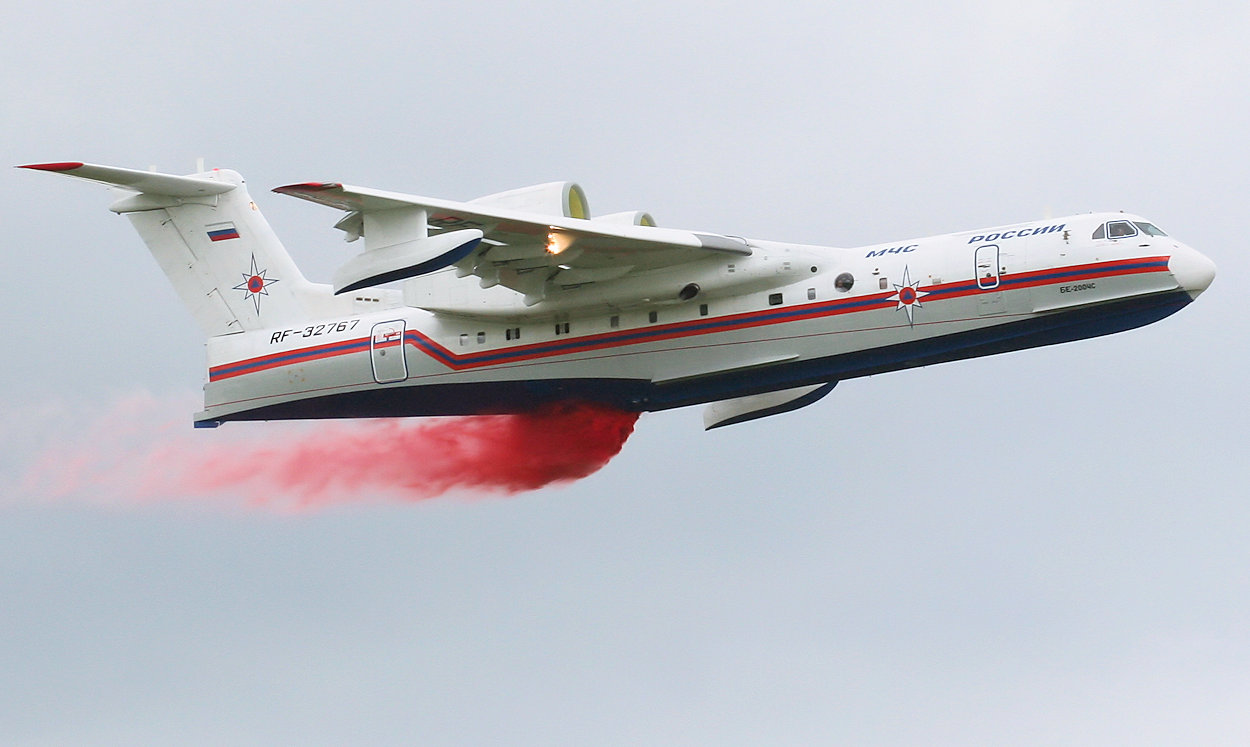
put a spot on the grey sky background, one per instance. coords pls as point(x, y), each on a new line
point(1046, 547)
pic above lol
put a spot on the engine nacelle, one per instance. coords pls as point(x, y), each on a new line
point(554, 198)
point(629, 217)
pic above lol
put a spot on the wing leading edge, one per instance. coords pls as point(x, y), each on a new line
point(535, 254)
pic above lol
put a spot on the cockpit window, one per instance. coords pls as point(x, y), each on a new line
point(1120, 229)
point(1149, 229)
point(1101, 233)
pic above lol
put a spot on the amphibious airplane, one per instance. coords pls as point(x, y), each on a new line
point(521, 298)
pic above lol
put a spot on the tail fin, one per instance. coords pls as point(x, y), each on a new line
point(222, 257)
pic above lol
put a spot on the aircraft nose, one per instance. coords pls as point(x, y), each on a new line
point(1192, 269)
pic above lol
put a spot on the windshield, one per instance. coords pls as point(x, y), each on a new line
point(1120, 229)
point(1123, 229)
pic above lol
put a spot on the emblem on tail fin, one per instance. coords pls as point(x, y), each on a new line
point(255, 284)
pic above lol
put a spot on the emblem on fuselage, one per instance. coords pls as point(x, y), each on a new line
point(908, 295)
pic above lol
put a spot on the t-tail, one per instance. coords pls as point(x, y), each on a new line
point(218, 251)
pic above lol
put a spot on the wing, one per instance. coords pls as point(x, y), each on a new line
point(529, 252)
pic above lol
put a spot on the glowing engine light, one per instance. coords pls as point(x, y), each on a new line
point(557, 243)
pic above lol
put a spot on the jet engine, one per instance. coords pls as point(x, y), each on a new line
point(629, 217)
point(554, 198)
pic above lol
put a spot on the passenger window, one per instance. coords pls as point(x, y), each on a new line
point(1120, 229)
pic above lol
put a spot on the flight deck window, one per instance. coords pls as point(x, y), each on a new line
point(1149, 229)
point(1101, 233)
point(1120, 229)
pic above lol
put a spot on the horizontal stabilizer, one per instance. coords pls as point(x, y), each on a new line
point(405, 260)
point(742, 409)
point(146, 182)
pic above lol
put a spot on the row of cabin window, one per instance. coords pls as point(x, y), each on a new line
point(843, 283)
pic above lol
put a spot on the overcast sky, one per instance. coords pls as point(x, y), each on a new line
point(1050, 546)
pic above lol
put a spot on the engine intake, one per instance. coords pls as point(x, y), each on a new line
point(553, 198)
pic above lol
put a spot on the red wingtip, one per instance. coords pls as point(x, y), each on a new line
point(307, 187)
point(62, 166)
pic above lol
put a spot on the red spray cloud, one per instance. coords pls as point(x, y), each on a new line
point(131, 454)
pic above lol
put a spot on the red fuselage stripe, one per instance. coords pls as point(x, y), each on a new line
point(702, 326)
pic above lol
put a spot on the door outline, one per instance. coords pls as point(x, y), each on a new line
point(985, 266)
point(384, 338)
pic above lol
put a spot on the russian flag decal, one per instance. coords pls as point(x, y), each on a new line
point(222, 231)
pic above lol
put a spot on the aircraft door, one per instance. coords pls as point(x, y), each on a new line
point(386, 348)
point(991, 266)
point(987, 266)
point(988, 274)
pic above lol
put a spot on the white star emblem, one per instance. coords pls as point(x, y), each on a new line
point(908, 295)
point(255, 284)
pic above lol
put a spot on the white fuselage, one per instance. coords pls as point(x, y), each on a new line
point(787, 316)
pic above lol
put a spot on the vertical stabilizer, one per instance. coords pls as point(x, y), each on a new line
point(215, 247)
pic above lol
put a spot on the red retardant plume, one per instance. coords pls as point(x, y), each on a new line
point(498, 453)
point(313, 464)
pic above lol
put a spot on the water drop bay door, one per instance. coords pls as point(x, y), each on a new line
point(386, 348)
